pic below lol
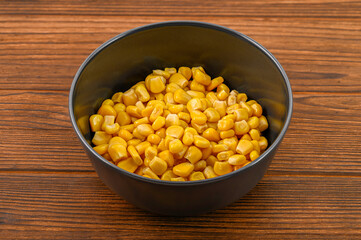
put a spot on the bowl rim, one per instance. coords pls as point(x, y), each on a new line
point(212, 26)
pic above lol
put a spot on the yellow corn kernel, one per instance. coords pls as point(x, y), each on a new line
point(225, 124)
point(223, 87)
point(222, 95)
point(172, 87)
point(263, 143)
point(191, 130)
point(263, 123)
point(171, 70)
point(142, 146)
point(183, 124)
point(133, 142)
point(157, 111)
point(186, 72)
point(147, 111)
point(146, 162)
point(222, 168)
point(148, 171)
point(107, 157)
point(143, 120)
point(129, 127)
point(117, 152)
point(142, 93)
point(198, 117)
point(107, 110)
point(167, 156)
point(172, 120)
point(123, 118)
point(211, 160)
point(117, 97)
point(166, 112)
point(175, 146)
point(134, 111)
point(215, 83)
point(212, 115)
point(101, 149)
point(199, 68)
point(183, 169)
point(184, 116)
point(155, 83)
point(167, 140)
point(135, 155)
point(145, 129)
point(108, 102)
point(175, 131)
point(179, 79)
point(108, 120)
point(237, 159)
point(209, 172)
point(211, 96)
point(112, 129)
point(193, 154)
point(232, 108)
point(128, 165)
point(159, 72)
point(180, 155)
point(205, 104)
point(196, 176)
point(129, 97)
point(178, 179)
point(168, 98)
point(253, 122)
point(220, 106)
point(96, 121)
point(219, 148)
point(200, 128)
point(251, 102)
point(196, 86)
point(158, 123)
point(241, 97)
point(248, 108)
point(117, 140)
point(175, 108)
point(225, 155)
point(255, 134)
point(168, 175)
point(253, 155)
point(153, 139)
point(201, 77)
point(195, 94)
point(150, 152)
point(256, 146)
point(158, 165)
point(211, 135)
point(257, 109)
point(212, 125)
point(232, 100)
point(119, 107)
point(244, 147)
point(246, 137)
point(140, 106)
point(160, 132)
point(200, 165)
point(100, 138)
point(241, 114)
point(206, 152)
point(194, 104)
point(201, 142)
point(137, 84)
point(188, 138)
point(241, 127)
point(231, 143)
point(180, 96)
point(136, 134)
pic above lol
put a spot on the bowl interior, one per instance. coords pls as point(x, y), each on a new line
point(131, 56)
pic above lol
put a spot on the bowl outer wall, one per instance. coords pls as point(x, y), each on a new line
point(174, 198)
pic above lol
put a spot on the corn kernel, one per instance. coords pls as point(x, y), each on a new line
point(107, 110)
point(200, 165)
point(168, 98)
point(128, 165)
point(198, 117)
point(171, 70)
point(158, 123)
point(244, 147)
point(101, 149)
point(201, 77)
point(222, 168)
point(184, 116)
point(153, 139)
point(255, 134)
point(253, 122)
point(133, 142)
point(223, 87)
point(167, 156)
point(256, 146)
point(158, 165)
point(241, 127)
point(180, 155)
point(194, 104)
point(96, 121)
point(142, 146)
point(195, 94)
point(253, 155)
point(246, 137)
point(112, 129)
point(144, 129)
point(241, 97)
point(225, 124)
point(172, 120)
point(148, 171)
point(172, 87)
point(123, 118)
point(108, 102)
point(168, 175)
point(160, 132)
point(231, 143)
point(248, 108)
point(222, 95)
point(159, 72)
point(212, 97)
point(232, 100)
point(155, 83)
point(180, 96)
point(129, 127)
point(135, 155)
point(117, 97)
point(211, 160)
point(117, 152)
point(175, 131)
point(186, 72)
point(117, 140)
point(219, 148)
point(211, 135)
point(150, 152)
point(209, 172)
point(193, 154)
point(220, 106)
point(200, 128)
point(212, 115)
point(183, 169)
point(157, 111)
point(134, 111)
point(196, 86)
point(107, 157)
point(195, 176)
point(179, 79)
point(188, 138)
point(175, 146)
point(263, 143)
point(100, 138)
point(201, 142)
point(225, 155)
point(142, 93)
point(119, 107)
point(263, 123)
point(129, 97)
point(175, 108)
point(237, 159)
point(215, 83)
point(241, 114)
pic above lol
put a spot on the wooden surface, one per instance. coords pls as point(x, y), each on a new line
point(48, 189)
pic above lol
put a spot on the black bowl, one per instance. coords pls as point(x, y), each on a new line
point(127, 58)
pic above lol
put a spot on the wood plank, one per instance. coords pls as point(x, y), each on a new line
point(63, 206)
point(38, 53)
point(283, 8)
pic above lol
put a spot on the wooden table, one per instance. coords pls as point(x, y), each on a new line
point(48, 188)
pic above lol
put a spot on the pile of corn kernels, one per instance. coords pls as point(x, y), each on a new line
point(179, 126)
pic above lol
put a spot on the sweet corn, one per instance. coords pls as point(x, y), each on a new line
point(158, 123)
point(255, 134)
point(167, 156)
point(175, 146)
point(263, 123)
point(166, 112)
point(212, 125)
point(175, 131)
point(135, 155)
point(237, 159)
point(183, 124)
point(180, 155)
point(108, 120)
point(198, 117)
point(140, 106)
point(117, 97)
point(108, 102)
point(223, 87)
point(209, 172)
point(246, 137)
point(123, 118)
point(200, 128)
point(184, 116)
point(178, 179)
point(175, 108)
point(200, 165)
point(129, 127)
point(241, 97)
point(222, 168)
point(206, 152)
point(180, 96)
point(179, 79)
point(212, 97)
point(143, 120)
point(107, 157)
point(232, 100)
point(144, 129)
point(157, 111)
point(201, 142)
point(117, 140)
point(164, 73)
point(129, 97)
point(117, 152)
point(155, 83)
point(215, 83)
point(134, 142)
point(96, 121)
point(112, 129)
point(158, 165)
point(142, 146)
point(172, 120)
point(253, 122)
point(232, 108)
point(220, 106)
point(195, 94)
point(186, 72)
point(256, 146)
point(128, 165)
point(172, 87)
point(231, 143)
point(241, 114)
point(171, 70)
point(196, 86)
point(150, 152)
point(253, 155)
point(219, 148)
point(241, 127)
point(101, 149)
point(224, 156)
point(225, 124)
point(119, 107)
point(188, 138)
point(222, 95)
point(142, 93)
point(248, 108)
point(148, 171)
point(211, 135)
point(227, 134)
point(263, 143)
point(168, 98)
point(100, 138)
point(244, 147)
point(153, 139)
point(183, 169)
point(160, 132)
point(134, 111)
point(194, 104)
point(193, 154)
point(211, 161)
point(201, 77)
point(212, 115)
point(107, 110)
point(195, 176)
point(168, 175)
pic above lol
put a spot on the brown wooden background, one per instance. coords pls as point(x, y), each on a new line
point(48, 189)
